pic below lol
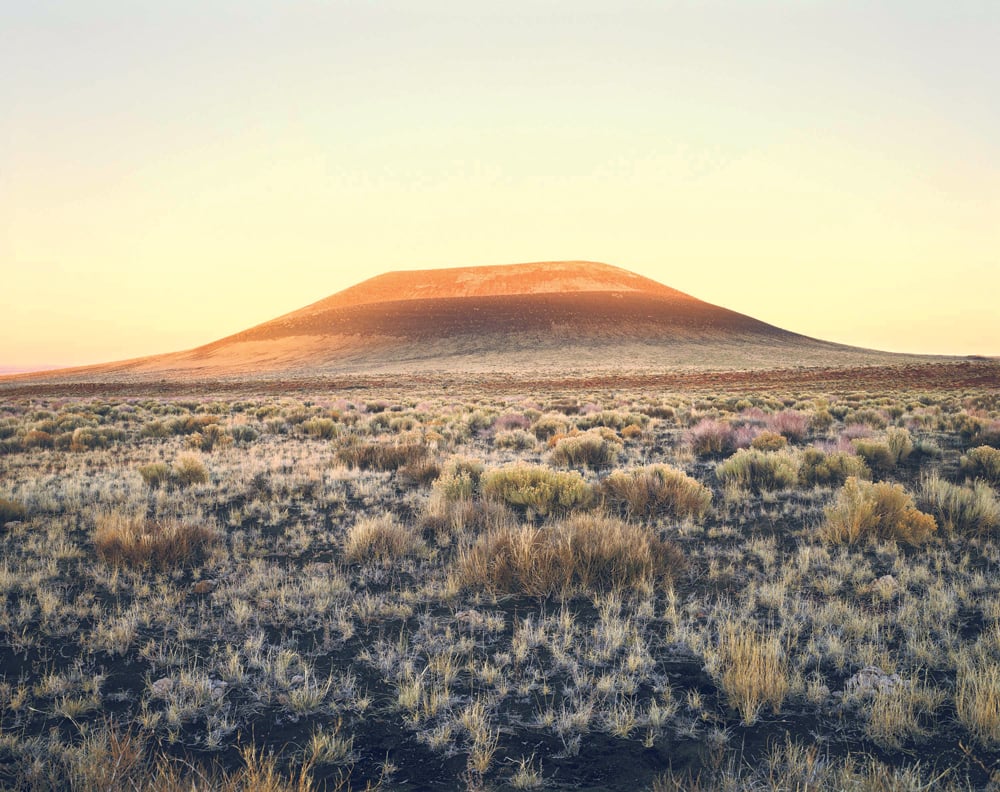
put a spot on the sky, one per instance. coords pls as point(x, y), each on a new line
point(171, 173)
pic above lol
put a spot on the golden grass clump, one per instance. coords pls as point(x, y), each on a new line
point(654, 490)
point(380, 455)
point(584, 552)
point(133, 540)
point(752, 671)
point(750, 468)
point(189, 470)
point(817, 467)
point(210, 437)
point(977, 700)
point(382, 539)
point(515, 439)
point(112, 759)
point(960, 509)
point(593, 449)
point(156, 474)
point(537, 488)
point(897, 712)
point(420, 472)
point(864, 511)
point(320, 428)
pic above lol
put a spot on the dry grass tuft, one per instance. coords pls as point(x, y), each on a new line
point(967, 510)
point(421, 472)
point(585, 552)
point(753, 671)
point(382, 456)
point(133, 540)
point(114, 760)
point(757, 470)
point(977, 700)
point(591, 449)
point(382, 539)
point(865, 512)
point(795, 767)
point(648, 492)
point(156, 474)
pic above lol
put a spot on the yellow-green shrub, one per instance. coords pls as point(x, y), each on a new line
point(516, 439)
point(320, 428)
point(817, 467)
point(769, 441)
point(537, 488)
point(459, 478)
point(210, 437)
point(900, 443)
point(876, 454)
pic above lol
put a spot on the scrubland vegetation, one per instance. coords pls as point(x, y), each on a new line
point(664, 591)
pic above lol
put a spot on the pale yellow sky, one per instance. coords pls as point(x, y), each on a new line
point(172, 173)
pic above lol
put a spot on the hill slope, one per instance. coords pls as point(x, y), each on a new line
point(569, 316)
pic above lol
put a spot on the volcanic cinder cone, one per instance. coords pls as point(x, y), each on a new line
point(546, 317)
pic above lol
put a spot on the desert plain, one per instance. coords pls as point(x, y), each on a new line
point(551, 526)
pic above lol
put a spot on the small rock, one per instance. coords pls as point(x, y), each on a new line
point(298, 679)
point(161, 687)
point(886, 586)
point(870, 681)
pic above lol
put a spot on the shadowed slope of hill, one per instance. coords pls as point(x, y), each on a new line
point(569, 317)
